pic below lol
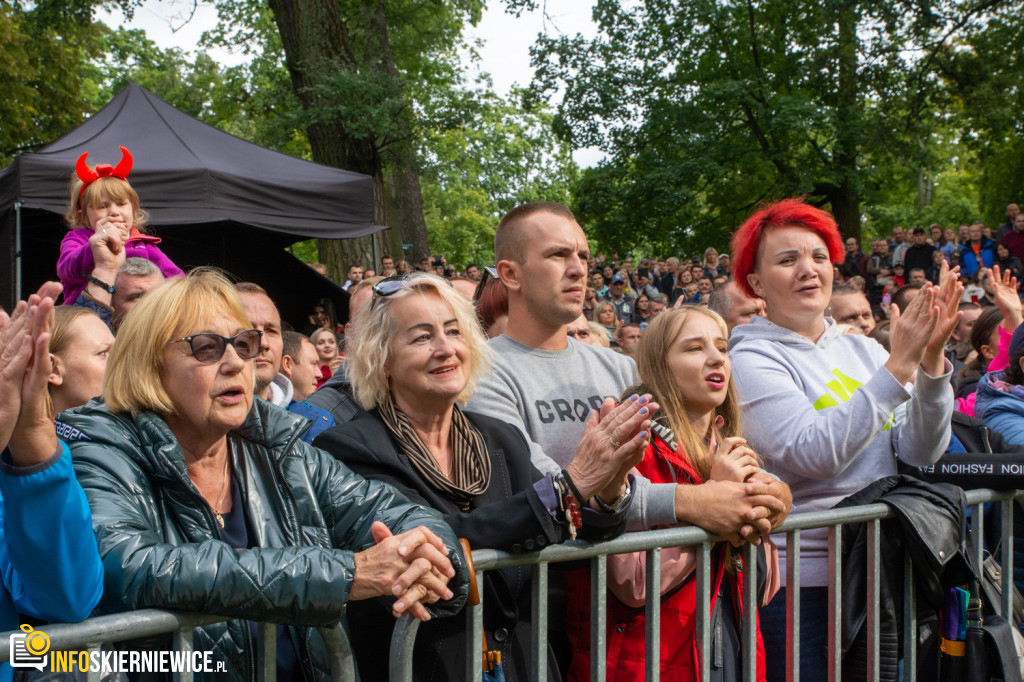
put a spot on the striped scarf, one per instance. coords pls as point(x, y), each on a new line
point(470, 462)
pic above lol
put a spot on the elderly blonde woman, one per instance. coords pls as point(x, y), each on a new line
point(204, 499)
point(418, 353)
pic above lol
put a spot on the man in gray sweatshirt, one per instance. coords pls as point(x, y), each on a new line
point(546, 384)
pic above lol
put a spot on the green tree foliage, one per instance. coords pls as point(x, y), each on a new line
point(44, 58)
point(708, 107)
point(491, 156)
point(984, 74)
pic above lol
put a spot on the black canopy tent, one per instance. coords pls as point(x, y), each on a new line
point(213, 198)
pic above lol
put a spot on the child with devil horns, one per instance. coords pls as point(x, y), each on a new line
point(105, 208)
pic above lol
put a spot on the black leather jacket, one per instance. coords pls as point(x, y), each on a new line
point(160, 541)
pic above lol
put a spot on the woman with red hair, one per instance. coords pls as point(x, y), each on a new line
point(830, 412)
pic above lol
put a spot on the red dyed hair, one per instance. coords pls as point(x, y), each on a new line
point(493, 303)
point(786, 213)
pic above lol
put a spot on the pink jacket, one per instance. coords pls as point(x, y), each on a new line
point(999, 362)
point(76, 263)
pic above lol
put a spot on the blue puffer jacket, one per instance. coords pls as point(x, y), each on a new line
point(969, 262)
point(1001, 406)
point(51, 568)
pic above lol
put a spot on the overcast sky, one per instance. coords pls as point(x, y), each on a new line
point(505, 53)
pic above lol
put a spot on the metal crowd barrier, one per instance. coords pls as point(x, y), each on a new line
point(91, 634)
point(652, 542)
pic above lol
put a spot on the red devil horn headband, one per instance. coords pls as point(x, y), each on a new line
point(103, 170)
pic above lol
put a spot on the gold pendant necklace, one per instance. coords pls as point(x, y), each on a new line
point(220, 497)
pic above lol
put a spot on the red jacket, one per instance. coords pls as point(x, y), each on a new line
point(625, 633)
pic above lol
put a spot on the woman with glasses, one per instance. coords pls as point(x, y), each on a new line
point(418, 353)
point(204, 499)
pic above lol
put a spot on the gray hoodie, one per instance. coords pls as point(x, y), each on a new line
point(828, 418)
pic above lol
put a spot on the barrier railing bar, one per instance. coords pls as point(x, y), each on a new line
point(539, 632)
point(835, 594)
point(475, 660)
point(793, 606)
point(749, 629)
point(909, 621)
point(652, 616)
point(1007, 562)
point(598, 618)
point(93, 675)
point(978, 534)
point(266, 652)
point(874, 529)
point(403, 641)
point(704, 609)
point(343, 665)
point(117, 628)
point(182, 641)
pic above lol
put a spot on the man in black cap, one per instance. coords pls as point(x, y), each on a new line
point(919, 254)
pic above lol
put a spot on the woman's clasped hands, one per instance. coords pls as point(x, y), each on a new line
point(412, 567)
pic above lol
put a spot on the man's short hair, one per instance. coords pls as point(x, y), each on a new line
point(139, 267)
point(660, 298)
point(509, 239)
point(292, 346)
point(720, 301)
point(363, 284)
point(626, 326)
point(250, 288)
point(900, 297)
point(845, 290)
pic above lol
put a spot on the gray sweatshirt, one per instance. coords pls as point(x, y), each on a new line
point(828, 419)
point(548, 395)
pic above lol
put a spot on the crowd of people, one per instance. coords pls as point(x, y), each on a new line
point(206, 457)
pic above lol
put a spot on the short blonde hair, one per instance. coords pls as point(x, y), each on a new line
point(369, 353)
point(115, 188)
point(180, 305)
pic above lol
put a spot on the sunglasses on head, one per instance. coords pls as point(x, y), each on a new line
point(395, 283)
point(207, 347)
point(490, 272)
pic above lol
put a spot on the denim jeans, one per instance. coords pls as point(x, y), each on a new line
point(813, 635)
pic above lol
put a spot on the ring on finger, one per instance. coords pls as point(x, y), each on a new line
point(615, 444)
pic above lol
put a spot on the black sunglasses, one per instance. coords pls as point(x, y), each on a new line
point(490, 272)
point(207, 348)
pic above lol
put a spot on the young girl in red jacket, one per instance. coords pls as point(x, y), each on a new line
point(683, 363)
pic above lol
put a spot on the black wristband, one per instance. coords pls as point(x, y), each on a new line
point(572, 487)
point(109, 288)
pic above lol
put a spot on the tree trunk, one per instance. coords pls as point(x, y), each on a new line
point(405, 201)
point(845, 199)
point(318, 47)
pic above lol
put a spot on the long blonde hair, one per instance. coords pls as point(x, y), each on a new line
point(657, 379)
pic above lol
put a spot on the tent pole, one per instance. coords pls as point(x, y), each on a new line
point(17, 251)
point(373, 243)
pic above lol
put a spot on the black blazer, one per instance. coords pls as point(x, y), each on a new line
point(508, 516)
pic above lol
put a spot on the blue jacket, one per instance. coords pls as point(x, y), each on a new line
point(48, 556)
point(969, 262)
point(1002, 411)
point(321, 418)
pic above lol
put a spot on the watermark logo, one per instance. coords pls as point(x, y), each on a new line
point(30, 648)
